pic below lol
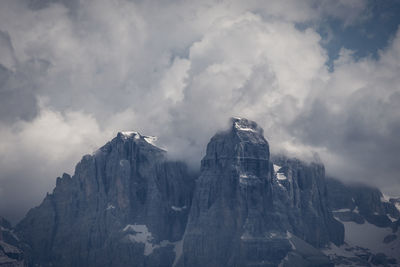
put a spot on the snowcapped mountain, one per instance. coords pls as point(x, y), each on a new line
point(128, 205)
point(371, 222)
point(125, 204)
point(244, 214)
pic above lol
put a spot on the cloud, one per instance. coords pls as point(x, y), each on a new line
point(74, 73)
point(355, 117)
point(257, 77)
point(31, 152)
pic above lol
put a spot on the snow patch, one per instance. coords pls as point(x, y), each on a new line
point(241, 128)
point(342, 210)
point(245, 178)
point(369, 236)
point(289, 236)
point(277, 168)
point(175, 208)
point(397, 205)
point(385, 198)
point(281, 176)
point(391, 218)
point(128, 134)
point(151, 140)
point(246, 236)
point(144, 236)
point(110, 206)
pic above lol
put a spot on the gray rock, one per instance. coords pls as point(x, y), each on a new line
point(389, 238)
point(10, 254)
point(243, 215)
point(128, 205)
point(301, 199)
point(349, 216)
point(365, 202)
point(125, 204)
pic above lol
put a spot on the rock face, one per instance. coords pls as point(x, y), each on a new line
point(301, 192)
point(371, 223)
point(248, 211)
point(364, 202)
point(126, 204)
point(10, 254)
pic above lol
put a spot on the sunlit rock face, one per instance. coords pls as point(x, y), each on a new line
point(248, 211)
point(125, 204)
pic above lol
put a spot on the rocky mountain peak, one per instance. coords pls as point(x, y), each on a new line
point(247, 131)
point(245, 125)
point(128, 204)
point(243, 145)
point(138, 138)
point(245, 214)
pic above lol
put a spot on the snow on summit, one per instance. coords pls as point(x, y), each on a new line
point(242, 124)
point(147, 138)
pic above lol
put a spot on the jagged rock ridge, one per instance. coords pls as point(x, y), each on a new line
point(128, 205)
point(125, 204)
point(244, 214)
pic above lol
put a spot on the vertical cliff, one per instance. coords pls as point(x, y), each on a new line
point(128, 205)
point(248, 211)
point(125, 203)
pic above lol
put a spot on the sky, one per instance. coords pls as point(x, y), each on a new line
point(321, 77)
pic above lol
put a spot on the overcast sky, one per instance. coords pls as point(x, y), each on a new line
point(318, 76)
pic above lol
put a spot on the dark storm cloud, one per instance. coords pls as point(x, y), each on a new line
point(73, 73)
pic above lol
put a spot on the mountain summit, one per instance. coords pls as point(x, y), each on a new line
point(242, 215)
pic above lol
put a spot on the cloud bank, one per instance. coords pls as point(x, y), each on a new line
point(73, 73)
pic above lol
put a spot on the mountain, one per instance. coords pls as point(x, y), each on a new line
point(10, 254)
point(127, 204)
point(248, 211)
point(371, 222)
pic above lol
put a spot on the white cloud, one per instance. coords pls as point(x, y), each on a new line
point(355, 118)
point(252, 68)
point(179, 70)
point(52, 143)
point(173, 82)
